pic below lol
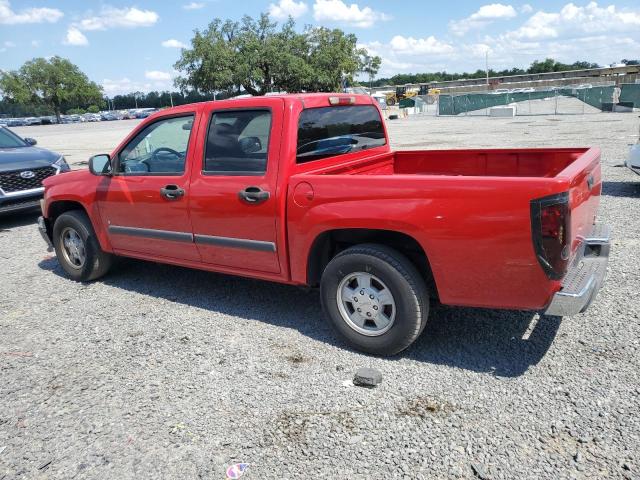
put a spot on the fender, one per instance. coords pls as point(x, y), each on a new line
point(80, 187)
point(306, 229)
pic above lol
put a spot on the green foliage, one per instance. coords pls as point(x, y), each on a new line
point(545, 66)
point(93, 109)
point(550, 65)
point(160, 99)
point(370, 65)
point(55, 83)
point(75, 111)
point(256, 56)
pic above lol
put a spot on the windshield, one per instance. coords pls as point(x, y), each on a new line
point(8, 139)
point(329, 131)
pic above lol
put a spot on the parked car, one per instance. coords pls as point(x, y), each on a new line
point(109, 116)
point(305, 190)
point(23, 167)
point(32, 121)
point(16, 122)
point(145, 112)
point(633, 159)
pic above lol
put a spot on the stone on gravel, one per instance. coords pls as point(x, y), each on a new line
point(367, 377)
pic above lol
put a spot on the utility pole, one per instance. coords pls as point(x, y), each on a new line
point(171, 98)
point(486, 63)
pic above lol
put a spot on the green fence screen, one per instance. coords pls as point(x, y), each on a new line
point(594, 96)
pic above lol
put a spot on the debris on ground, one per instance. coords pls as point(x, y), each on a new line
point(367, 377)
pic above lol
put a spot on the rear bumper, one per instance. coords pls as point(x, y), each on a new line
point(585, 277)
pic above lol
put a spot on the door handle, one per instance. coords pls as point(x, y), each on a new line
point(172, 192)
point(253, 195)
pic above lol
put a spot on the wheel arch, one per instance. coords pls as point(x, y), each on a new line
point(57, 207)
point(331, 242)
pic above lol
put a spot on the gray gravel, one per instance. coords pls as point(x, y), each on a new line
point(162, 372)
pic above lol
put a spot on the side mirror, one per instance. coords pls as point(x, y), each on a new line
point(250, 144)
point(100, 164)
point(31, 141)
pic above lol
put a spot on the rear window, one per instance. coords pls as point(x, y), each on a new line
point(329, 131)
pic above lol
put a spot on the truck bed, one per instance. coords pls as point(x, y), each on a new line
point(534, 162)
point(470, 210)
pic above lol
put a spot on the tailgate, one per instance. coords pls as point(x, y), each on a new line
point(585, 186)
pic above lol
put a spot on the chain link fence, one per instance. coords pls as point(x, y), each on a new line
point(566, 100)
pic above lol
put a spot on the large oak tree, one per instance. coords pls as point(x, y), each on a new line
point(54, 82)
point(258, 56)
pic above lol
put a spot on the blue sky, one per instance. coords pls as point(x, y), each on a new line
point(132, 45)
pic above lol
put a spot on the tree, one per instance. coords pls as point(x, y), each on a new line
point(55, 83)
point(257, 56)
point(370, 65)
point(333, 57)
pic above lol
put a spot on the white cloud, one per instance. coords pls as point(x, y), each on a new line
point(124, 85)
point(485, 15)
point(408, 54)
point(110, 17)
point(75, 38)
point(28, 15)
point(286, 8)
point(173, 43)
point(35, 43)
point(193, 6)
point(574, 21)
point(419, 46)
point(526, 8)
point(339, 12)
point(157, 75)
point(479, 49)
point(9, 44)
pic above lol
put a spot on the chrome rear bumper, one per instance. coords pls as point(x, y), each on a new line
point(585, 277)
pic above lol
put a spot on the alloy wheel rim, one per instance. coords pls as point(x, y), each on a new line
point(366, 304)
point(73, 248)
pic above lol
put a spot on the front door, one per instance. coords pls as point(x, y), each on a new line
point(233, 198)
point(144, 205)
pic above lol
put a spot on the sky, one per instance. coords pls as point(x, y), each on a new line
point(131, 45)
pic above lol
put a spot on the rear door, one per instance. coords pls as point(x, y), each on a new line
point(144, 204)
point(233, 186)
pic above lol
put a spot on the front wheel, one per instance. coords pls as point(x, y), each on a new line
point(77, 247)
point(375, 298)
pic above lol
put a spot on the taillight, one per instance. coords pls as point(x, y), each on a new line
point(550, 228)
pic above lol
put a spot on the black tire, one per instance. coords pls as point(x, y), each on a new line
point(96, 264)
point(399, 276)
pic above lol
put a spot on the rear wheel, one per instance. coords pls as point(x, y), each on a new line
point(375, 298)
point(77, 247)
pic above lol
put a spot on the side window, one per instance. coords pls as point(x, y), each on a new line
point(237, 143)
point(160, 148)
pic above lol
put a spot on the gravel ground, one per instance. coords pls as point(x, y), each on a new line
point(162, 372)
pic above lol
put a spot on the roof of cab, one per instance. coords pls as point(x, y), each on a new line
point(308, 100)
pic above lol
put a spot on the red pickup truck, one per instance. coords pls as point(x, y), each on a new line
point(305, 190)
